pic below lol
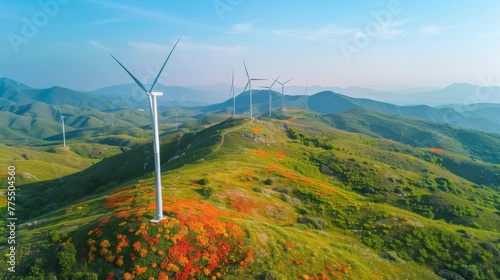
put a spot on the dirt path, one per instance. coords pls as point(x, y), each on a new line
point(230, 130)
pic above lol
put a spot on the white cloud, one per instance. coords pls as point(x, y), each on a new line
point(431, 30)
point(148, 47)
point(98, 45)
point(328, 33)
point(242, 28)
point(212, 49)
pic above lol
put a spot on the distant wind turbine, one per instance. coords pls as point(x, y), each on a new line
point(307, 96)
point(283, 91)
point(63, 132)
point(249, 85)
point(232, 92)
point(61, 117)
point(270, 95)
point(156, 139)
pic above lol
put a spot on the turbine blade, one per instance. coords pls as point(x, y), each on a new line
point(275, 81)
point(135, 79)
point(246, 70)
point(258, 79)
point(159, 73)
point(287, 81)
point(247, 85)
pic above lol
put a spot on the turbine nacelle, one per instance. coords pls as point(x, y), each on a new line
point(155, 93)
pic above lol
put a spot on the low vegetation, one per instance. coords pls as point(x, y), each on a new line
point(287, 198)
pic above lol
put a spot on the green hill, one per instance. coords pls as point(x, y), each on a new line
point(295, 198)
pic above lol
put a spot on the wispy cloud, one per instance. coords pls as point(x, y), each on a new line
point(148, 46)
point(212, 49)
point(327, 33)
point(98, 45)
point(391, 29)
point(189, 47)
point(242, 28)
point(155, 15)
point(431, 30)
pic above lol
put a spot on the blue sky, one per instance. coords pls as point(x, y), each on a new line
point(386, 44)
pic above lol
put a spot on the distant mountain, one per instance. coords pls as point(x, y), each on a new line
point(64, 96)
point(173, 96)
point(12, 84)
point(458, 93)
point(328, 102)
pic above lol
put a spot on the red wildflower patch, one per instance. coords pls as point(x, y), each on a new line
point(104, 221)
point(122, 215)
point(117, 200)
point(436, 150)
point(289, 244)
point(260, 153)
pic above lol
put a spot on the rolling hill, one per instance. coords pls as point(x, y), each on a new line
point(296, 197)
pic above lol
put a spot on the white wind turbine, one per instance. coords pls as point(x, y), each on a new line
point(283, 92)
point(249, 85)
point(156, 139)
point(270, 95)
point(232, 92)
point(62, 123)
point(63, 132)
point(307, 96)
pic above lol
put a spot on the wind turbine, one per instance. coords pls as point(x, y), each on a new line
point(232, 92)
point(64, 133)
point(62, 123)
point(156, 139)
point(270, 97)
point(283, 91)
point(249, 85)
point(307, 96)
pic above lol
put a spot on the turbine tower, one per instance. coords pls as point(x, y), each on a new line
point(63, 132)
point(283, 92)
point(156, 139)
point(270, 95)
point(249, 85)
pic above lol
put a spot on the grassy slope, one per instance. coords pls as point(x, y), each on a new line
point(298, 215)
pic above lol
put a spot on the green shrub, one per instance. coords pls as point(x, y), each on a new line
point(66, 259)
point(391, 256)
point(54, 235)
point(314, 222)
point(449, 275)
point(268, 182)
point(207, 192)
point(85, 276)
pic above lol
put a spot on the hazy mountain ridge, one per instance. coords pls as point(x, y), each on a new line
point(96, 109)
